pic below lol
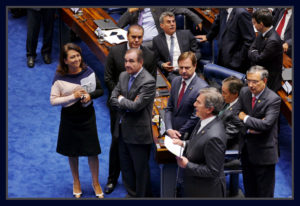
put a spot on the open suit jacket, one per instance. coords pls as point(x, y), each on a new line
point(267, 52)
point(204, 174)
point(132, 18)
point(183, 118)
point(186, 41)
point(263, 147)
point(115, 64)
point(136, 116)
point(234, 38)
point(288, 34)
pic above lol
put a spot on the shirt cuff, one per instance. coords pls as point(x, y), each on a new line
point(120, 99)
point(245, 119)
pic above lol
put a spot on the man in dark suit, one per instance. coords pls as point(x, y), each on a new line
point(133, 97)
point(283, 23)
point(180, 116)
point(203, 161)
point(149, 19)
point(114, 66)
point(266, 50)
point(235, 34)
point(231, 87)
point(260, 109)
point(169, 44)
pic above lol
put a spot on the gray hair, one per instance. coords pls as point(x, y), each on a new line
point(164, 14)
point(263, 72)
point(213, 98)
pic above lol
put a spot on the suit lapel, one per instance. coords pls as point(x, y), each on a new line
point(187, 92)
point(164, 45)
point(180, 40)
point(260, 100)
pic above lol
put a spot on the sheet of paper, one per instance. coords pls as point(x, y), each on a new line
point(287, 87)
point(115, 38)
point(174, 148)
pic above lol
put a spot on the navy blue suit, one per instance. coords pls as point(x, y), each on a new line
point(183, 118)
point(234, 38)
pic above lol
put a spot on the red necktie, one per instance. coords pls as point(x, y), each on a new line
point(181, 93)
point(281, 24)
point(253, 101)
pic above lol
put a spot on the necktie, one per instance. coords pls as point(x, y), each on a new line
point(131, 79)
point(172, 49)
point(281, 24)
point(253, 101)
point(140, 20)
point(181, 93)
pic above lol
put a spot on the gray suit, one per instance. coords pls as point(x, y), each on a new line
point(260, 151)
point(204, 174)
point(134, 130)
point(183, 118)
point(132, 18)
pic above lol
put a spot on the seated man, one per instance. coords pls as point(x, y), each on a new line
point(171, 43)
point(148, 18)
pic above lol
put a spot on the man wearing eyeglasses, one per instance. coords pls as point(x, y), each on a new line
point(259, 110)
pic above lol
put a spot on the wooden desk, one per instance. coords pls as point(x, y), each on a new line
point(207, 15)
point(84, 27)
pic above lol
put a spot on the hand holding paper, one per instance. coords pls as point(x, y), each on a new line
point(173, 148)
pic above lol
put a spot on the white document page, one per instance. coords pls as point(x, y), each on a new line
point(174, 148)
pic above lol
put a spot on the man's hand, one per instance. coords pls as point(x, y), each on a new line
point(178, 142)
point(167, 66)
point(242, 115)
point(174, 134)
point(199, 26)
point(285, 47)
point(131, 10)
point(182, 161)
point(201, 37)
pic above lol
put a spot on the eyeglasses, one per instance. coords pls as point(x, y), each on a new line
point(248, 81)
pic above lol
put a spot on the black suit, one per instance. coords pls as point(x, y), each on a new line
point(288, 34)
point(115, 64)
point(204, 174)
point(34, 19)
point(133, 127)
point(132, 18)
point(260, 149)
point(186, 41)
point(267, 52)
point(234, 38)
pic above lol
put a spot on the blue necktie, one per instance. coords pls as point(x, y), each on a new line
point(172, 49)
point(131, 79)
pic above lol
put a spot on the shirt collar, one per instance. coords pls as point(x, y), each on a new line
point(207, 120)
point(232, 103)
point(128, 47)
point(136, 74)
point(169, 36)
point(257, 96)
point(188, 81)
point(264, 34)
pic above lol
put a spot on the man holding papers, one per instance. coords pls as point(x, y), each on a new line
point(203, 159)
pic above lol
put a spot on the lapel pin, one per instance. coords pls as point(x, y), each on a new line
point(258, 101)
point(202, 132)
point(230, 108)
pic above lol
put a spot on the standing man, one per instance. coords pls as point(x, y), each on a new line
point(171, 43)
point(114, 66)
point(235, 34)
point(149, 19)
point(133, 97)
point(180, 115)
point(260, 109)
point(34, 18)
point(203, 161)
point(283, 20)
point(267, 50)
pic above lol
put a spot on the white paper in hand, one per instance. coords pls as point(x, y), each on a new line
point(174, 148)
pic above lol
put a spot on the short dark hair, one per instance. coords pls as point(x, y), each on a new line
point(186, 55)
point(234, 84)
point(135, 26)
point(138, 52)
point(264, 16)
point(62, 68)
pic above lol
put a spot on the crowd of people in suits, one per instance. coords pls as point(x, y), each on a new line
point(240, 116)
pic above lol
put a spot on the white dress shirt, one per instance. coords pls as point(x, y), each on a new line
point(176, 52)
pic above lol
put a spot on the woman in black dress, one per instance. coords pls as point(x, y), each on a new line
point(74, 86)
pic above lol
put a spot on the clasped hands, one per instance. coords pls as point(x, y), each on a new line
point(79, 92)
